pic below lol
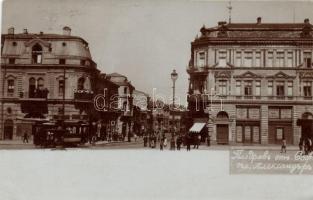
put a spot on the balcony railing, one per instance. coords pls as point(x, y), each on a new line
point(83, 95)
point(37, 94)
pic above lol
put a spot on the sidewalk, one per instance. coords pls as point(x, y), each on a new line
point(15, 142)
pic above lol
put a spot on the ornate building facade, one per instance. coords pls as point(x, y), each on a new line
point(251, 82)
point(40, 75)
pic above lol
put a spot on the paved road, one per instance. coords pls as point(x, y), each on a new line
point(17, 145)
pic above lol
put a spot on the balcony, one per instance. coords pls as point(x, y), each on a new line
point(83, 95)
point(36, 94)
point(197, 69)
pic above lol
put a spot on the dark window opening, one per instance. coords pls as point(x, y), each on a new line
point(14, 44)
point(125, 90)
point(36, 54)
point(248, 88)
point(61, 87)
point(63, 44)
point(280, 91)
point(62, 61)
point(83, 62)
point(32, 87)
point(80, 84)
point(10, 86)
point(11, 60)
point(307, 89)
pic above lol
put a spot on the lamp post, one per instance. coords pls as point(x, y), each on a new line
point(174, 77)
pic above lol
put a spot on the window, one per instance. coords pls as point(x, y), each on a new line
point(201, 59)
point(280, 91)
point(270, 88)
point(307, 59)
point(279, 133)
point(222, 87)
point(14, 44)
point(270, 59)
point(10, 86)
point(238, 88)
point(11, 60)
point(36, 54)
point(280, 59)
point(248, 59)
point(63, 44)
point(289, 59)
point(82, 62)
point(238, 58)
point(258, 59)
point(125, 90)
point(62, 61)
point(80, 83)
point(257, 88)
point(40, 85)
point(289, 88)
point(32, 87)
point(222, 59)
point(248, 88)
point(307, 88)
point(61, 87)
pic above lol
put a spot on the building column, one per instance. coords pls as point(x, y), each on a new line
point(264, 124)
point(297, 112)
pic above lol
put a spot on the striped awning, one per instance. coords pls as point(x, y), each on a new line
point(197, 127)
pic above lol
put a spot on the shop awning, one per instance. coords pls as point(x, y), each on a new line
point(197, 127)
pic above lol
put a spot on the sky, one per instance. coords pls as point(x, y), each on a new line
point(143, 39)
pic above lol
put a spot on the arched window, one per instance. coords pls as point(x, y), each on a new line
point(40, 84)
point(32, 87)
point(36, 54)
point(80, 83)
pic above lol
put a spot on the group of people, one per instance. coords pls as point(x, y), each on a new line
point(175, 142)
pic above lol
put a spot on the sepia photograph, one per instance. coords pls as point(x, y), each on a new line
point(156, 99)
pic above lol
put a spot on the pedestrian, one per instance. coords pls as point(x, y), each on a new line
point(145, 140)
point(165, 142)
point(283, 146)
point(188, 141)
point(25, 137)
point(172, 145)
point(161, 144)
point(178, 142)
point(209, 140)
point(135, 137)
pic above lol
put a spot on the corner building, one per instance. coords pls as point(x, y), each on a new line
point(41, 73)
point(251, 82)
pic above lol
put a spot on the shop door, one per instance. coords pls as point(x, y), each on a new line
point(222, 133)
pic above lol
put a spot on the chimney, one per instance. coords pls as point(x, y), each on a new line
point(41, 33)
point(25, 31)
point(259, 20)
point(306, 21)
point(66, 30)
point(11, 31)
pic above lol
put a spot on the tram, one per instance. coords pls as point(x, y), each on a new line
point(67, 133)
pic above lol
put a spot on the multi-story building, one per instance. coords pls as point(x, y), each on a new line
point(40, 75)
point(251, 82)
point(125, 102)
point(141, 113)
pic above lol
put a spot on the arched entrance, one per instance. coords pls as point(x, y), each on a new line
point(8, 129)
point(222, 121)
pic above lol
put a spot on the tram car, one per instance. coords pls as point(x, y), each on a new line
point(52, 134)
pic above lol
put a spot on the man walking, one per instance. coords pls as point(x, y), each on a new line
point(25, 137)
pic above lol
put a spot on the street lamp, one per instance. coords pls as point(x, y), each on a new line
point(174, 77)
